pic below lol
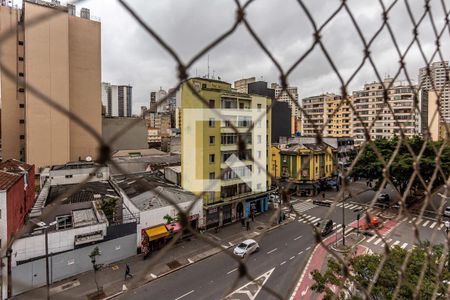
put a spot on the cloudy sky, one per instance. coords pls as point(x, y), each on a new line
point(131, 56)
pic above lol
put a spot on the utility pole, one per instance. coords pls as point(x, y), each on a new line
point(46, 262)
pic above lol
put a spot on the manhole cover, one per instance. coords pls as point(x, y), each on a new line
point(174, 264)
point(260, 228)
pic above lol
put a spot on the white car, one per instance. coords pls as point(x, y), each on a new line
point(447, 211)
point(247, 247)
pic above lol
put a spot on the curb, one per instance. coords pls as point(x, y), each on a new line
point(188, 264)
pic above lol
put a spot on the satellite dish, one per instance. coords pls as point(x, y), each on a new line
point(88, 158)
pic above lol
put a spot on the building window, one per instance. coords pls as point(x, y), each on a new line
point(212, 175)
point(69, 176)
point(20, 58)
point(21, 121)
point(259, 139)
point(211, 122)
point(21, 90)
point(259, 107)
point(22, 137)
point(258, 186)
point(212, 158)
point(204, 86)
point(21, 43)
point(63, 222)
point(259, 154)
point(212, 140)
point(21, 105)
point(212, 103)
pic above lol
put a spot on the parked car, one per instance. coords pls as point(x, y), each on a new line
point(447, 211)
point(275, 198)
point(322, 202)
point(245, 248)
point(383, 198)
point(325, 227)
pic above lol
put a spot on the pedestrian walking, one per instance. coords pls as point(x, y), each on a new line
point(323, 196)
point(248, 225)
point(253, 216)
point(127, 272)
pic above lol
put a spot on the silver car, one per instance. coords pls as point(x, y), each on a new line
point(247, 247)
point(447, 211)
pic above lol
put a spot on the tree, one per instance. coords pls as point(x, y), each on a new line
point(108, 205)
point(168, 219)
point(362, 269)
point(95, 252)
point(369, 166)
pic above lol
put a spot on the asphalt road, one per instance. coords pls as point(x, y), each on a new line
point(282, 257)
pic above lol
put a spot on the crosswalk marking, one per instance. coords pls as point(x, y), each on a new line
point(425, 223)
point(315, 220)
point(404, 245)
point(412, 220)
point(377, 241)
point(387, 242)
point(404, 220)
point(440, 226)
point(395, 243)
point(303, 206)
point(371, 239)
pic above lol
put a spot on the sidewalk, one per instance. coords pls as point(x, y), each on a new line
point(182, 254)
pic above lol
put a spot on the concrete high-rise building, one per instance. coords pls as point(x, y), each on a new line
point(370, 101)
point(437, 81)
point(329, 114)
point(117, 99)
point(212, 161)
point(59, 57)
point(241, 85)
point(281, 95)
point(161, 106)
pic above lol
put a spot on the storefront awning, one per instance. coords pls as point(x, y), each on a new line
point(157, 232)
point(174, 227)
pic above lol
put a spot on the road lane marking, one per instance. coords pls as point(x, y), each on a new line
point(412, 220)
point(425, 223)
point(190, 261)
point(440, 226)
point(273, 250)
point(229, 272)
point(309, 218)
point(377, 241)
point(292, 257)
point(300, 252)
point(182, 296)
point(299, 237)
point(308, 248)
point(395, 243)
point(153, 276)
point(283, 263)
point(405, 219)
point(231, 244)
point(404, 245)
point(432, 225)
point(371, 239)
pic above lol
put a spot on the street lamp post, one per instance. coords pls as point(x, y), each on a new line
point(45, 227)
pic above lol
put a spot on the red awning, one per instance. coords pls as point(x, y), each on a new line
point(174, 227)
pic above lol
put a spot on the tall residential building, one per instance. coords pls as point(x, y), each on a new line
point(281, 95)
point(161, 106)
point(437, 81)
point(279, 110)
point(117, 99)
point(370, 101)
point(59, 57)
point(327, 113)
point(211, 160)
point(241, 85)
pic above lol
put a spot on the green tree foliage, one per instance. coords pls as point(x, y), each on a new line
point(369, 166)
point(362, 270)
point(108, 205)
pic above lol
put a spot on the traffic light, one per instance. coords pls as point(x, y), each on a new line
point(358, 216)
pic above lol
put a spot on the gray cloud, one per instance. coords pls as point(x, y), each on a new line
point(130, 55)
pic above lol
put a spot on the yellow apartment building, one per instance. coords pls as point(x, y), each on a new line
point(231, 184)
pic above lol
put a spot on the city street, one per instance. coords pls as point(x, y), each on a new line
point(282, 256)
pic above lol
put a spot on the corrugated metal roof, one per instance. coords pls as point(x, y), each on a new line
point(8, 179)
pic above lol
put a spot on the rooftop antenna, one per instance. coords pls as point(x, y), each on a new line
point(214, 72)
point(208, 66)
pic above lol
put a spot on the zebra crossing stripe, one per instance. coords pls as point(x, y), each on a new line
point(412, 220)
point(440, 226)
point(404, 245)
point(371, 239)
point(425, 223)
point(309, 218)
point(377, 241)
point(404, 220)
point(432, 225)
point(386, 243)
point(395, 243)
point(315, 220)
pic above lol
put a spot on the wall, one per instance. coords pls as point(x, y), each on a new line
point(85, 85)
point(34, 246)
point(10, 110)
point(47, 69)
point(32, 274)
point(133, 138)
point(58, 177)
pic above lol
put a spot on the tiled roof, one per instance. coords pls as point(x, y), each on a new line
point(14, 165)
point(8, 179)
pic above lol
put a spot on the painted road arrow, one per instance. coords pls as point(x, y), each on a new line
point(251, 289)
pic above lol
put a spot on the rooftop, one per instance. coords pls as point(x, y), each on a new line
point(8, 179)
point(76, 165)
point(88, 192)
point(148, 191)
point(138, 152)
point(143, 164)
point(14, 166)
